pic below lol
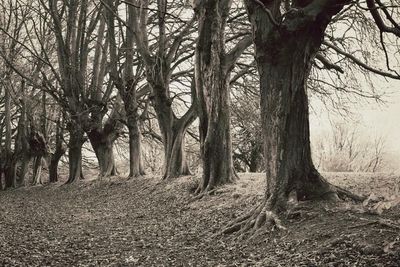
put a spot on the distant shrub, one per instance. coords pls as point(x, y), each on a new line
point(344, 149)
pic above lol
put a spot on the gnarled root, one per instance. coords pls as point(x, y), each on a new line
point(254, 221)
point(200, 194)
point(209, 184)
point(344, 194)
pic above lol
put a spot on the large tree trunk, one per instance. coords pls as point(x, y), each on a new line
point(102, 137)
point(212, 86)
point(9, 173)
point(53, 167)
point(9, 179)
point(21, 155)
point(38, 150)
point(284, 54)
point(135, 154)
point(58, 153)
point(173, 130)
point(103, 144)
point(175, 158)
point(76, 141)
point(22, 172)
point(37, 170)
point(284, 59)
point(158, 73)
point(285, 124)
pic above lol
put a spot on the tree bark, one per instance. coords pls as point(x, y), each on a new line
point(37, 170)
point(53, 167)
point(2, 167)
point(9, 174)
point(135, 155)
point(102, 137)
point(158, 73)
point(103, 143)
point(173, 130)
point(284, 53)
point(23, 170)
point(212, 86)
point(284, 59)
point(21, 154)
point(60, 150)
point(76, 141)
point(9, 178)
point(175, 158)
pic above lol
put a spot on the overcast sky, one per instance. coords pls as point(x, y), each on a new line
point(374, 119)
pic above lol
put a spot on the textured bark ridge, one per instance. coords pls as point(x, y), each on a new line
point(175, 157)
point(17, 162)
point(103, 148)
point(60, 150)
point(132, 120)
point(284, 54)
point(158, 68)
point(213, 68)
point(172, 129)
point(102, 141)
point(76, 141)
point(38, 150)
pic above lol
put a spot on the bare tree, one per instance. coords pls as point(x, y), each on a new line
point(85, 99)
point(127, 83)
point(159, 67)
point(285, 46)
point(213, 69)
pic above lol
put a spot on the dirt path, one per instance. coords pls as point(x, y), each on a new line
point(145, 222)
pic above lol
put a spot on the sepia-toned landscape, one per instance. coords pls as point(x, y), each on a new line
point(199, 133)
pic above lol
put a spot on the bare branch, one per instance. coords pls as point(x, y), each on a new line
point(360, 63)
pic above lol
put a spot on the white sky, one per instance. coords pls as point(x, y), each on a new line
point(375, 119)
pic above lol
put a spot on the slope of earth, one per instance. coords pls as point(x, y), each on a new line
point(145, 222)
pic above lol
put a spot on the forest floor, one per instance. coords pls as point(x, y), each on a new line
point(148, 222)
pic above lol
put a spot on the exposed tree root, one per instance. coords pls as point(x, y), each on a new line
point(344, 194)
point(209, 187)
point(130, 176)
point(382, 222)
point(199, 196)
point(253, 222)
point(264, 217)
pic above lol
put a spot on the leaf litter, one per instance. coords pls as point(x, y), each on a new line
point(148, 222)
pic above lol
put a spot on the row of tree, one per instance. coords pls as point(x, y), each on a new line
point(83, 70)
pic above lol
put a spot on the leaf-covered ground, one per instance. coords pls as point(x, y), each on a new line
point(145, 222)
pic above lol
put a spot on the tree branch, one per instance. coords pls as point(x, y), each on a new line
point(327, 64)
point(236, 52)
point(379, 21)
point(360, 63)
